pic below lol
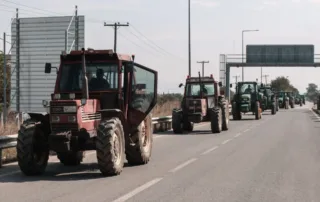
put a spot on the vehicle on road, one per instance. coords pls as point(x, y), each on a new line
point(247, 99)
point(291, 98)
point(298, 100)
point(269, 101)
point(201, 102)
point(283, 99)
point(102, 101)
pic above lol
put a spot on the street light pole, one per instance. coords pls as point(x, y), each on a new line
point(243, 31)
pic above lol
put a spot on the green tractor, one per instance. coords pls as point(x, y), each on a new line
point(303, 99)
point(291, 99)
point(283, 99)
point(298, 100)
point(269, 100)
point(247, 99)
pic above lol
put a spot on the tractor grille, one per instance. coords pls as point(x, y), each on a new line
point(194, 106)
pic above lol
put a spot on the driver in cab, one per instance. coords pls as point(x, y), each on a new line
point(248, 90)
point(99, 83)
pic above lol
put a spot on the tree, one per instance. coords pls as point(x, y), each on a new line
point(312, 92)
point(2, 78)
point(281, 84)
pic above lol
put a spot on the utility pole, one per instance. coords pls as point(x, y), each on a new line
point(203, 62)
point(116, 25)
point(265, 77)
point(4, 112)
point(236, 77)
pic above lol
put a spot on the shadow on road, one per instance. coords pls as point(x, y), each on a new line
point(57, 172)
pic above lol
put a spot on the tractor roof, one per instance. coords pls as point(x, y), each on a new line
point(206, 79)
point(95, 55)
point(247, 82)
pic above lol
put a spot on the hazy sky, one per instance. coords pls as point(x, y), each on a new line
point(216, 29)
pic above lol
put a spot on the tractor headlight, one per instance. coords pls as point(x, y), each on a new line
point(72, 119)
point(56, 96)
point(55, 119)
point(68, 109)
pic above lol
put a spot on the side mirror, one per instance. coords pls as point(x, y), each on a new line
point(180, 85)
point(45, 103)
point(230, 85)
point(83, 101)
point(47, 68)
point(220, 83)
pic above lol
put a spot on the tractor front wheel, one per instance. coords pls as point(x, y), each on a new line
point(32, 149)
point(177, 121)
point(110, 145)
point(216, 120)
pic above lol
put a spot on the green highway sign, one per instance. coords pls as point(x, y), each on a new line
point(280, 54)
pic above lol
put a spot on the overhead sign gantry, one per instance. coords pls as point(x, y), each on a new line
point(268, 56)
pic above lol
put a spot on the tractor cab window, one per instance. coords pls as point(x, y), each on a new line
point(247, 88)
point(143, 89)
point(101, 76)
point(193, 89)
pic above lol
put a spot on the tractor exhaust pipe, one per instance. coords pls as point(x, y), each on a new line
point(85, 90)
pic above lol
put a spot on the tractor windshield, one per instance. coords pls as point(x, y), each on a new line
point(101, 77)
point(193, 89)
point(246, 88)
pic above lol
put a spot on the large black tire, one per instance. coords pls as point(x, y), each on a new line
point(216, 120)
point(139, 144)
point(188, 126)
point(32, 148)
point(273, 109)
point(177, 121)
point(110, 145)
point(236, 113)
point(70, 158)
point(225, 114)
point(257, 112)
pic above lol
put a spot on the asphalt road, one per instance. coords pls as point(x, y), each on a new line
point(273, 159)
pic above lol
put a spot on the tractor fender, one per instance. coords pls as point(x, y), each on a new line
point(40, 117)
point(110, 113)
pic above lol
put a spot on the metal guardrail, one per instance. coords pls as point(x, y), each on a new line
point(10, 141)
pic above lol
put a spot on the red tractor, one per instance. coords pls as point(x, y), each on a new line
point(201, 102)
point(101, 101)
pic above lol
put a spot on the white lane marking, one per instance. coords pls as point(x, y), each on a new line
point(138, 190)
point(226, 141)
point(182, 165)
point(246, 130)
point(237, 135)
point(210, 150)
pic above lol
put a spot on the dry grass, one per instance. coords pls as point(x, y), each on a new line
point(165, 109)
point(9, 155)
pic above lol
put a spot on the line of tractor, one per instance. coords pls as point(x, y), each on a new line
point(250, 96)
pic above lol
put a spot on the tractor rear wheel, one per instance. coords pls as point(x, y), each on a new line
point(188, 126)
point(110, 146)
point(71, 158)
point(216, 120)
point(225, 114)
point(273, 109)
point(139, 144)
point(177, 121)
point(32, 149)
